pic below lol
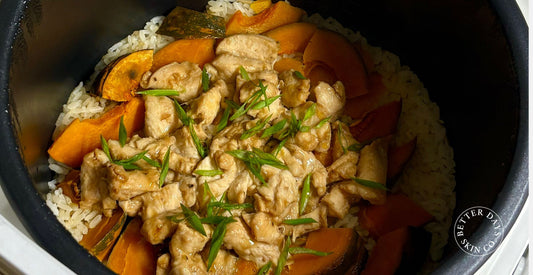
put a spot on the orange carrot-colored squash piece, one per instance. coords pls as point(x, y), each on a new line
point(260, 5)
point(100, 239)
point(199, 51)
point(398, 157)
point(119, 80)
point(387, 253)
point(132, 254)
point(337, 53)
point(318, 72)
point(398, 211)
point(82, 137)
point(276, 15)
point(336, 240)
point(357, 107)
point(380, 122)
point(245, 267)
point(70, 187)
point(292, 37)
point(288, 63)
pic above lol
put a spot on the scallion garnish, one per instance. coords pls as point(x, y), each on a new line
point(205, 80)
point(283, 256)
point(256, 129)
point(224, 120)
point(193, 220)
point(264, 269)
point(299, 75)
point(122, 132)
point(217, 240)
point(208, 173)
point(244, 73)
point(322, 122)
point(105, 148)
point(255, 159)
point(229, 206)
point(199, 145)
point(276, 128)
point(306, 193)
point(299, 221)
point(164, 168)
point(152, 162)
point(356, 147)
point(310, 112)
point(369, 183)
point(265, 103)
point(304, 250)
point(159, 92)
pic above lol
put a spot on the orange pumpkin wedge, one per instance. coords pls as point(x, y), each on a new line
point(274, 16)
point(199, 51)
point(82, 137)
point(288, 63)
point(292, 37)
point(119, 80)
point(100, 239)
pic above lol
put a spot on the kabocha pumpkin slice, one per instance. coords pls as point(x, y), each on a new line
point(120, 79)
point(380, 122)
point(244, 267)
point(333, 50)
point(132, 254)
point(357, 107)
point(70, 186)
point(292, 37)
point(82, 137)
point(100, 239)
point(276, 15)
point(345, 244)
point(260, 5)
point(398, 158)
point(288, 63)
point(199, 51)
point(183, 23)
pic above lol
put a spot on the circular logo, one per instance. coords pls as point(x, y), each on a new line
point(485, 219)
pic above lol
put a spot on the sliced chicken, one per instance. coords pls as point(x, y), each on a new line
point(166, 199)
point(205, 108)
point(270, 76)
point(372, 166)
point(338, 201)
point(160, 116)
point(301, 163)
point(344, 168)
point(93, 179)
point(294, 90)
point(228, 66)
point(251, 46)
point(185, 245)
point(158, 228)
point(319, 214)
point(281, 190)
point(124, 184)
point(263, 228)
point(330, 99)
point(185, 77)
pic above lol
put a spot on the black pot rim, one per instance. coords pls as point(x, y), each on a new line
point(41, 223)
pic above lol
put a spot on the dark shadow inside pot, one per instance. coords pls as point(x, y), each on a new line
point(459, 50)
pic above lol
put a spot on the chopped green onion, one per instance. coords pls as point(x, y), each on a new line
point(159, 92)
point(265, 103)
point(283, 256)
point(122, 132)
point(269, 159)
point(208, 173)
point(340, 136)
point(216, 241)
point(255, 159)
point(306, 193)
point(322, 122)
point(185, 119)
point(310, 112)
point(371, 184)
point(224, 120)
point(105, 148)
point(229, 206)
point(193, 220)
point(278, 148)
point(174, 218)
point(245, 107)
point(299, 75)
point(128, 164)
point(199, 145)
point(276, 128)
point(264, 269)
point(257, 128)
point(299, 221)
point(213, 219)
point(152, 162)
point(305, 250)
point(356, 147)
point(244, 73)
point(205, 80)
point(232, 104)
point(164, 168)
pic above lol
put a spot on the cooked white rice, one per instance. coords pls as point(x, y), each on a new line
point(428, 178)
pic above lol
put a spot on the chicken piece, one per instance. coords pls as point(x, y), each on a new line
point(319, 214)
point(188, 189)
point(238, 239)
point(93, 183)
point(270, 76)
point(250, 45)
point(308, 141)
point(238, 189)
point(294, 90)
point(228, 66)
point(301, 163)
point(281, 190)
point(132, 206)
point(158, 228)
point(166, 199)
point(124, 185)
point(323, 134)
point(249, 89)
point(185, 77)
point(160, 116)
point(205, 108)
point(337, 201)
point(344, 168)
point(224, 263)
point(373, 166)
point(263, 228)
point(163, 264)
point(184, 247)
point(330, 100)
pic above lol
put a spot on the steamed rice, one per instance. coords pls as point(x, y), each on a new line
point(428, 178)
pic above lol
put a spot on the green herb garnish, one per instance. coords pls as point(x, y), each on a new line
point(208, 173)
point(306, 193)
point(278, 148)
point(205, 80)
point(305, 250)
point(244, 73)
point(369, 183)
point(105, 148)
point(299, 221)
point(159, 92)
point(255, 159)
point(229, 206)
point(164, 168)
point(197, 143)
point(299, 75)
point(276, 128)
point(256, 129)
point(322, 122)
point(224, 120)
point(152, 162)
point(122, 132)
point(265, 103)
point(216, 240)
point(356, 147)
point(193, 220)
point(264, 269)
point(310, 112)
point(283, 256)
